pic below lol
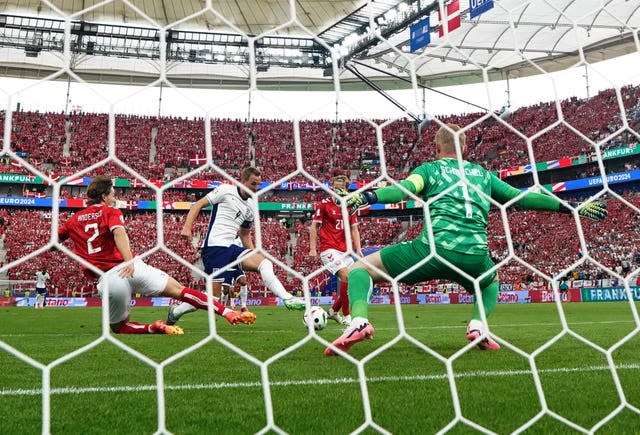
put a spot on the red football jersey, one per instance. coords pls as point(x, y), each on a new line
point(331, 235)
point(90, 230)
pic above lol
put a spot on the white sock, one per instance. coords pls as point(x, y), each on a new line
point(244, 294)
point(357, 321)
point(271, 280)
point(182, 309)
point(475, 325)
point(223, 299)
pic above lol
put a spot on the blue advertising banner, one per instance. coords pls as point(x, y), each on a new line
point(25, 202)
point(621, 177)
point(433, 298)
point(420, 34)
point(477, 7)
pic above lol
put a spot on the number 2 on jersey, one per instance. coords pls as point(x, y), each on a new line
point(96, 232)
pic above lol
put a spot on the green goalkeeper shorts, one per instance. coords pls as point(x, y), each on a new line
point(401, 257)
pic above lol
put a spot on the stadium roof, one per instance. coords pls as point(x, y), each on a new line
point(505, 41)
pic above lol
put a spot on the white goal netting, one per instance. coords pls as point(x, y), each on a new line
point(284, 143)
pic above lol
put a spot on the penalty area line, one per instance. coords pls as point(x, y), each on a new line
point(303, 382)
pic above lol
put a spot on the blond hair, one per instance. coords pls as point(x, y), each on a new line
point(447, 139)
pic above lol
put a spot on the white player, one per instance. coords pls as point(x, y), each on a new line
point(240, 279)
point(232, 216)
point(41, 288)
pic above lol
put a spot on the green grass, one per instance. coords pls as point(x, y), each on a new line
point(215, 390)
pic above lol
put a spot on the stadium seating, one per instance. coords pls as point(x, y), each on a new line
point(60, 145)
point(327, 147)
point(534, 235)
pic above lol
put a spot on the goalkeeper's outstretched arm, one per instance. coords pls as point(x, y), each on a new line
point(503, 192)
point(414, 183)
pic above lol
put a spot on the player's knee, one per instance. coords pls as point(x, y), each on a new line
point(115, 327)
point(173, 289)
point(253, 261)
point(265, 264)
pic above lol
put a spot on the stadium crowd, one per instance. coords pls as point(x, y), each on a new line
point(162, 147)
point(534, 236)
point(159, 148)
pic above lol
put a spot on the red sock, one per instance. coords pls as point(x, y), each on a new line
point(344, 297)
point(134, 328)
point(199, 300)
point(336, 303)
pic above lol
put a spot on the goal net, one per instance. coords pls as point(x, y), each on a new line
point(564, 364)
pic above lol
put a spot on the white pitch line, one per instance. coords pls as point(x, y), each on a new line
point(334, 381)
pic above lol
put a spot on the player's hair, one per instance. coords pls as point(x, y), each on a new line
point(447, 140)
point(100, 185)
point(249, 171)
point(341, 178)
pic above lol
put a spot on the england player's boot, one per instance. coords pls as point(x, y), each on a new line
point(295, 304)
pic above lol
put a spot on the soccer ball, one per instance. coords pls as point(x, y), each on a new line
point(317, 316)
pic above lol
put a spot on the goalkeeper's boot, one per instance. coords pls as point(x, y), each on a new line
point(346, 320)
point(295, 304)
point(160, 327)
point(334, 315)
point(171, 317)
point(359, 330)
point(487, 343)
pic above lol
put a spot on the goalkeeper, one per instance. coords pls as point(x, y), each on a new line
point(459, 217)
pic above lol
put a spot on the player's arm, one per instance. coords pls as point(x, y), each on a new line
point(245, 237)
point(63, 233)
point(121, 240)
point(194, 211)
point(504, 192)
point(313, 239)
point(414, 183)
point(355, 238)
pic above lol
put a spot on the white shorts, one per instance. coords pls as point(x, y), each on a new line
point(335, 260)
point(146, 280)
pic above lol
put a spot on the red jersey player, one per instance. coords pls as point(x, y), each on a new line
point(99, 237)
point(333, 245)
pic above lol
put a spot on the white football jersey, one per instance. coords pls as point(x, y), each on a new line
point(229, 212)
point(41, 279)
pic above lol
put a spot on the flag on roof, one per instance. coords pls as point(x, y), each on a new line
point(452, 11)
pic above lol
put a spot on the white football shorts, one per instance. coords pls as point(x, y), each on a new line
point(146, 280)
point(335, 260)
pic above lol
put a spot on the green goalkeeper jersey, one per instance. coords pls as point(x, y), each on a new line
point(459, 217)
point(460, 214)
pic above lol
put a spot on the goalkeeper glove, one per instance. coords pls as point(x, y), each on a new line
point(356, 202)
point(340, 192)
point(594, 210)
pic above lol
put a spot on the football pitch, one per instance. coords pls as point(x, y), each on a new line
point(212, 389)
